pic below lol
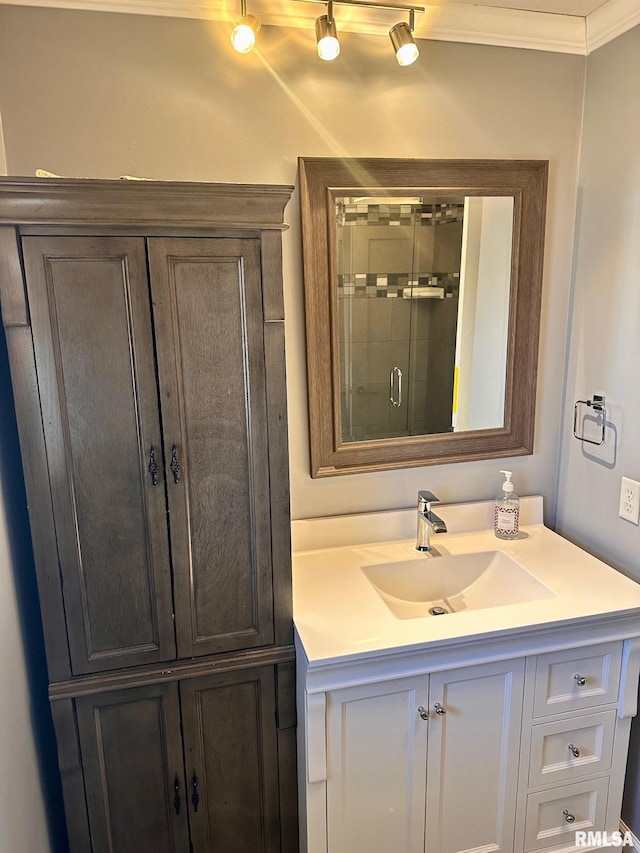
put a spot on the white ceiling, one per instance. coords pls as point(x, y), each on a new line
point(562, 26)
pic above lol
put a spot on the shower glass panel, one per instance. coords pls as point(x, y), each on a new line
point(398, 276)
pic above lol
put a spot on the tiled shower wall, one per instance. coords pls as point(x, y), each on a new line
point(380, 330)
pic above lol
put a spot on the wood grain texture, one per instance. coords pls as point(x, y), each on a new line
point(179, 671)
point(12, 295)
point(44, 201)
point(321, 180)
point(286, 706)
point(94, 355)
point(132, 759)
point(271, 267)
point(279, 480)
point(36, 474)
point(72, 775)
point(231, 750)
point(207, 305)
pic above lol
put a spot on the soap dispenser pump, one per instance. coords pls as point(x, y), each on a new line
point(506, 518)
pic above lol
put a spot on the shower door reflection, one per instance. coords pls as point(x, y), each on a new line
point(398, 265)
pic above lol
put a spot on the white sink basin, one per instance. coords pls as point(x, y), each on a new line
point(412, 588)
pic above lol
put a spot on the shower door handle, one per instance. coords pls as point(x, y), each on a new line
point(394, 373)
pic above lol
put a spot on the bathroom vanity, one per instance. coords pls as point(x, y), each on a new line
point(500, 725)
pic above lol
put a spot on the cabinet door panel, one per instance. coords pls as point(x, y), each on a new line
point(90, 314)
point(133, 763)
point(229, 723)
point(473, 758)
point(376, 754)
point(208, 318)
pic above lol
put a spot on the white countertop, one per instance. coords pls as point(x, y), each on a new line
point(339, 615)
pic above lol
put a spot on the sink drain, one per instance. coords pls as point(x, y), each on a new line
point(437, 611)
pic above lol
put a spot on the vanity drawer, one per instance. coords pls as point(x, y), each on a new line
point(567, 749)
point(570, 680)
point(549, 814)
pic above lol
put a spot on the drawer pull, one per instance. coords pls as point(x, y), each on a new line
point(580, 679)
point(423, 712)
point(439, 709)
point(574, 751)
point(568, 817)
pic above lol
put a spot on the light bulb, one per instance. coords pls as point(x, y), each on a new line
point(243, 37)
point(405, 48)
point(407, 54)
point(327, 37)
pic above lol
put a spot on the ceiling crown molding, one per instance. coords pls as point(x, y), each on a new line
point(610, 21)
point(467, 23)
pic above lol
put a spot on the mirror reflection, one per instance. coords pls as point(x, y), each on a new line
point(423, 285)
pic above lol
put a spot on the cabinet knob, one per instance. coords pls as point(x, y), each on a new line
point(580, 679)
point(568, 817)
point(574, 750)
point(439, 709)
point(423, 712)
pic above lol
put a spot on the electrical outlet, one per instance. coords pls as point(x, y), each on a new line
point(629, 500)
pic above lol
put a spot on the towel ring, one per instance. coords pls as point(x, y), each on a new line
point(598, 405)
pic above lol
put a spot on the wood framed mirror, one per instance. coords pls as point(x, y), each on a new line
point(423, 284)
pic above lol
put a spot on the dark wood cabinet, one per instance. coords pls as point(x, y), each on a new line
point(118, 434)
point(155, 776)
point(231, 761)
point(134, 770)
point(207, 304)
point(145, 333)
point(91, 322)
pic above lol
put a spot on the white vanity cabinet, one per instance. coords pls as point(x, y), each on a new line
point(379, 780)
point(472, 766)
point(509, 755)
point(376, 747)
point(575, 733)
point(535, 694)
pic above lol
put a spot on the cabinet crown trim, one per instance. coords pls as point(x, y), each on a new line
point(80, 201)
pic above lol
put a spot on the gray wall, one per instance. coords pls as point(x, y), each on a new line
point(91, 94)
point(604, 331)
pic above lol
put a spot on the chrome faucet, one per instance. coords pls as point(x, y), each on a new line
point(428, 521)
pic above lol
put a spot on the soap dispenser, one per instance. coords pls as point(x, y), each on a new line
point(506, 518)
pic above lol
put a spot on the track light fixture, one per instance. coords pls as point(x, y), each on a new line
point(243, 37)
point(401, 36)
point(327, 35)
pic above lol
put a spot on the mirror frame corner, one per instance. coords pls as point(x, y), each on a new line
point(320, 180)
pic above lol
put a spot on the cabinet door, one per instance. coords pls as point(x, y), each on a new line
point(133, 768)
point(474, 744)
point(376, 755)
point(208, 318)
point(229, 725)
point(91, 323)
